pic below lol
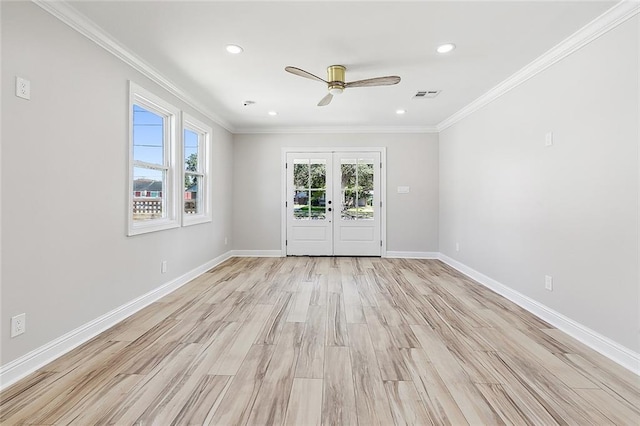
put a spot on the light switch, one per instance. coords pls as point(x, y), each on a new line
point(548, 282)
point(403, 190)
point(548, 139)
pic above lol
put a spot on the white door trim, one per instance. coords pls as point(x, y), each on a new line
point(383, 188)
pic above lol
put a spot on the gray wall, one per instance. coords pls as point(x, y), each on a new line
point(66, 259)
point(412, 159)
point(520, 210)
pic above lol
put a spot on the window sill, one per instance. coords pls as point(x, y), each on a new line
point(195, 220)
point(152, 227)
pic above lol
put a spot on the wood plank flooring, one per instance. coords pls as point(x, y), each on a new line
point(331, 341)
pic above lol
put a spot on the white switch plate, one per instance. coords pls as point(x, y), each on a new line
point(457, 246)
point(23, 88)
point(163, 266)
point(548, 139)
point(548, 282)
point(18, 325)
point(403, 190)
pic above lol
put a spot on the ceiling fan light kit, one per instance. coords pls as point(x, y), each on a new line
point(336, 81)
point(335, 77)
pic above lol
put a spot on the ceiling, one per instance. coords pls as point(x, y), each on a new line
point(185, 41)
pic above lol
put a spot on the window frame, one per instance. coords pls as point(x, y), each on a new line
point(143, 98)
point(204, 133)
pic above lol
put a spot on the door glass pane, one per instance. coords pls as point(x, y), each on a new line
point(309, 195)
point(301, 204)
point(365, 189)
point(318, 204)
point(318, 174)
point(357, 189)
point(301, 174)
point(348, 191)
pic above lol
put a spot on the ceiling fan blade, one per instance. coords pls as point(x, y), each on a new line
point(303, 73)
point(326, 100)
point(378, 81)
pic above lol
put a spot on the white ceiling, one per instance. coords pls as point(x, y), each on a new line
point(186, 42)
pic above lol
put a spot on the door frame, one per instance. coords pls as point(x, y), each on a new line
point(324, 150)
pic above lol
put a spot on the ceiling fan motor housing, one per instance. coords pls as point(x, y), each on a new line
point(335, 77)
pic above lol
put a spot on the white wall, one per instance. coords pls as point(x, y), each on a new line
point(412, 160)
point(66, 259)
point(521, 210)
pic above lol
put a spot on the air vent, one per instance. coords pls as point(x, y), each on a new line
point(424, 94)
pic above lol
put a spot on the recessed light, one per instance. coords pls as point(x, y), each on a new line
point(272, 113)
point(234, 48)
point(401, 111)
point(446, 48)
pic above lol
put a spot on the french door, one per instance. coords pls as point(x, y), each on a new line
point(333, 204)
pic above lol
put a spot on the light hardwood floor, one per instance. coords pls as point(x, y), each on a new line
point(340, 341)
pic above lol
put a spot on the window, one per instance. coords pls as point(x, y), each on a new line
point(153, 180)
point(196, 201)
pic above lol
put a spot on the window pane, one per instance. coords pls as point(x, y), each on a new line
point(301, 174)
point(365, 189)
point(318, 205)
point(148, 136)
point(318, 174)
point(191, 141)
point(148, 190)
point(301, 206)
point(348, 189)
point(192, 196)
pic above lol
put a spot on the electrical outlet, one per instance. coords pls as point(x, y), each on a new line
point(548, 282)
point(163, 266)
point(457, 246)
point(225, 241)
point(18, 325)
point(23, 88)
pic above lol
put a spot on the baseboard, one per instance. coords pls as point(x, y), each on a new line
point(412, 254)
point(607, 347)
point(25, 365)
point(256, 253)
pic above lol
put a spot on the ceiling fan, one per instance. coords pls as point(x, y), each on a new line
point(336, 84)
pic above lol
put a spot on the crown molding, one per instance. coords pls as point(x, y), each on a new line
point(621, 12)
point(609, 20)
point(83, 25)
point(337, 129)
